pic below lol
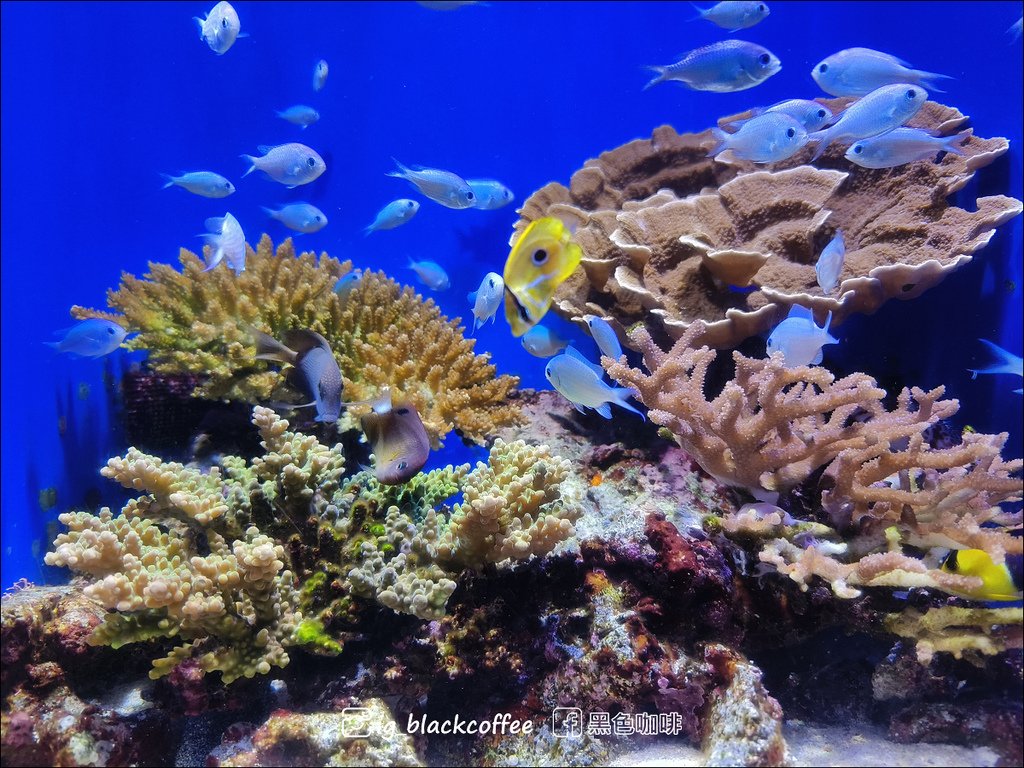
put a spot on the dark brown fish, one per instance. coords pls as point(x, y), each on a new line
point(399, 442)
point(316, 371)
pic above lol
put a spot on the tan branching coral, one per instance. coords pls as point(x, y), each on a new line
point(666, 230)
point(382, 335)
point(960, 631)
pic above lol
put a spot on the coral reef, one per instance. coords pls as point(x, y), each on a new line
point(666, 230)
point(959, 631)
point(196, 322)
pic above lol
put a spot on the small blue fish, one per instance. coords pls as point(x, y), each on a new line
point(442, 187)
point(859, 71)
point(830, 263)
point(319, 75)
point(90, 338)
point(302, 217)
point(881, 110)
point(810, 114)
point(799, 339)
point(1008, 363)
point(220, 27)
point(227, 240)
point(767, 138)
point(604, 336)
point(901, 146)
point(300, 115)
point(289, 164)
point(394, 214)
point(486, 299)
point(541, 341)
point(734, 15)
point(490, 194)
point(343, 287)
point(430, 274)
point(203, 183)
point(723, 67)
point(579, 381)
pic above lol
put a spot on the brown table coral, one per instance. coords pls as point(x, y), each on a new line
point(666, 230)
point(383, 335)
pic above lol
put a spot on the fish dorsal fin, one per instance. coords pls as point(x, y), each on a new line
point(301, 340)
point(265, 148)
point(574, 353)
point(800, 311)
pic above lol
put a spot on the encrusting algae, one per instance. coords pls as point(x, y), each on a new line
point(382, 335)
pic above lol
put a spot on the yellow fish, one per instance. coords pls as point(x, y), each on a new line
point(542, 258)
point(998, 582)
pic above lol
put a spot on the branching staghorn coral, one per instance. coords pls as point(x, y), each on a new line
point(771, 428)
point(382, 335)
point(665, 230)
point(249, 558)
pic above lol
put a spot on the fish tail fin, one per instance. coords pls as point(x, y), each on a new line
point(368, 230)
point(823, 138)
point(927, 79)
point(954, 142)
point(53, 345)
point(1007, 361)
point(269, 348)
point(252, 164)
point(662, 71)
point(269, 211)
point(401, 173)
point(701, 12)
point(722, 138)
point(622, 395)
point(169, 179)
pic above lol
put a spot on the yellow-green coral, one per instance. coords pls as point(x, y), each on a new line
point(382, 335)
point(956, 630)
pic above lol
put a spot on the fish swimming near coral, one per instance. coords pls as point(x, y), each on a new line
point(723, 67)
point(315, 370)
point(881, 110)
point(220, 27)
point(810, 114)
point(542, 259)
point(767, 138)
point(90, 338)
point(227, 240)
point(398, 439)
point(604, 336)
point(799, 338)
point(859, 71)
point(486, 299)
point(344, 285)
point(999, 583)
point(431, 274)
point(302, 217)
point(541, 341)
point(1008, 363)
point(901, 146)
point(444, 187)
point(734, 15)
point(830, 263)
point(300, 115)
point(490, 194)
point(394, 214)
point(580, 382)
point(202, 183)
point(289, 164)
point(320, 75)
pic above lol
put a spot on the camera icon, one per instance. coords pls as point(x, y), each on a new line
point(566, 721)
point(355, 723)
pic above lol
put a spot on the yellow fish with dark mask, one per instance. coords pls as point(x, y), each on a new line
point(541, 260)
point(1000, 583)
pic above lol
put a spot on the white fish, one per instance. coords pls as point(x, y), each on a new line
point(220, 27)
point(300, 115)
point(881, 110)
point(289, 164)
point(723, 67)
point(830, 263)
point(579, 381)
point(1015, 29)
point(204, 183)
point(541, 341)
point(94, 337)
point(1008, 363)
point(344, 285)
point(810, 114)
point(394, 214)
point(799, 339)
point(490, 194)
point(442, 187)
point(859, 71)
point(901, 146)
point(734, 15)
point(319, 75)
point(431, 274)
point(486, 299)
point(227, 240)
point(302, 217)
point(767, 138)
point(604, 336)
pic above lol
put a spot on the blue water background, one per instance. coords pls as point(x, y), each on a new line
point(98, 98)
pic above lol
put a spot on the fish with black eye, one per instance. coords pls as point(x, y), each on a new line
point(398, 439)
point(999, 583)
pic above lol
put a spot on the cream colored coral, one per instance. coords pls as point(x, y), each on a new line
point(960, 631)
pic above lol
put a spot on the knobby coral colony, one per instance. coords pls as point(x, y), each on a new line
point(382, 335)
point(250, 558)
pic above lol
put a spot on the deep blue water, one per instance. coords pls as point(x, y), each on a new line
point(99, 98)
